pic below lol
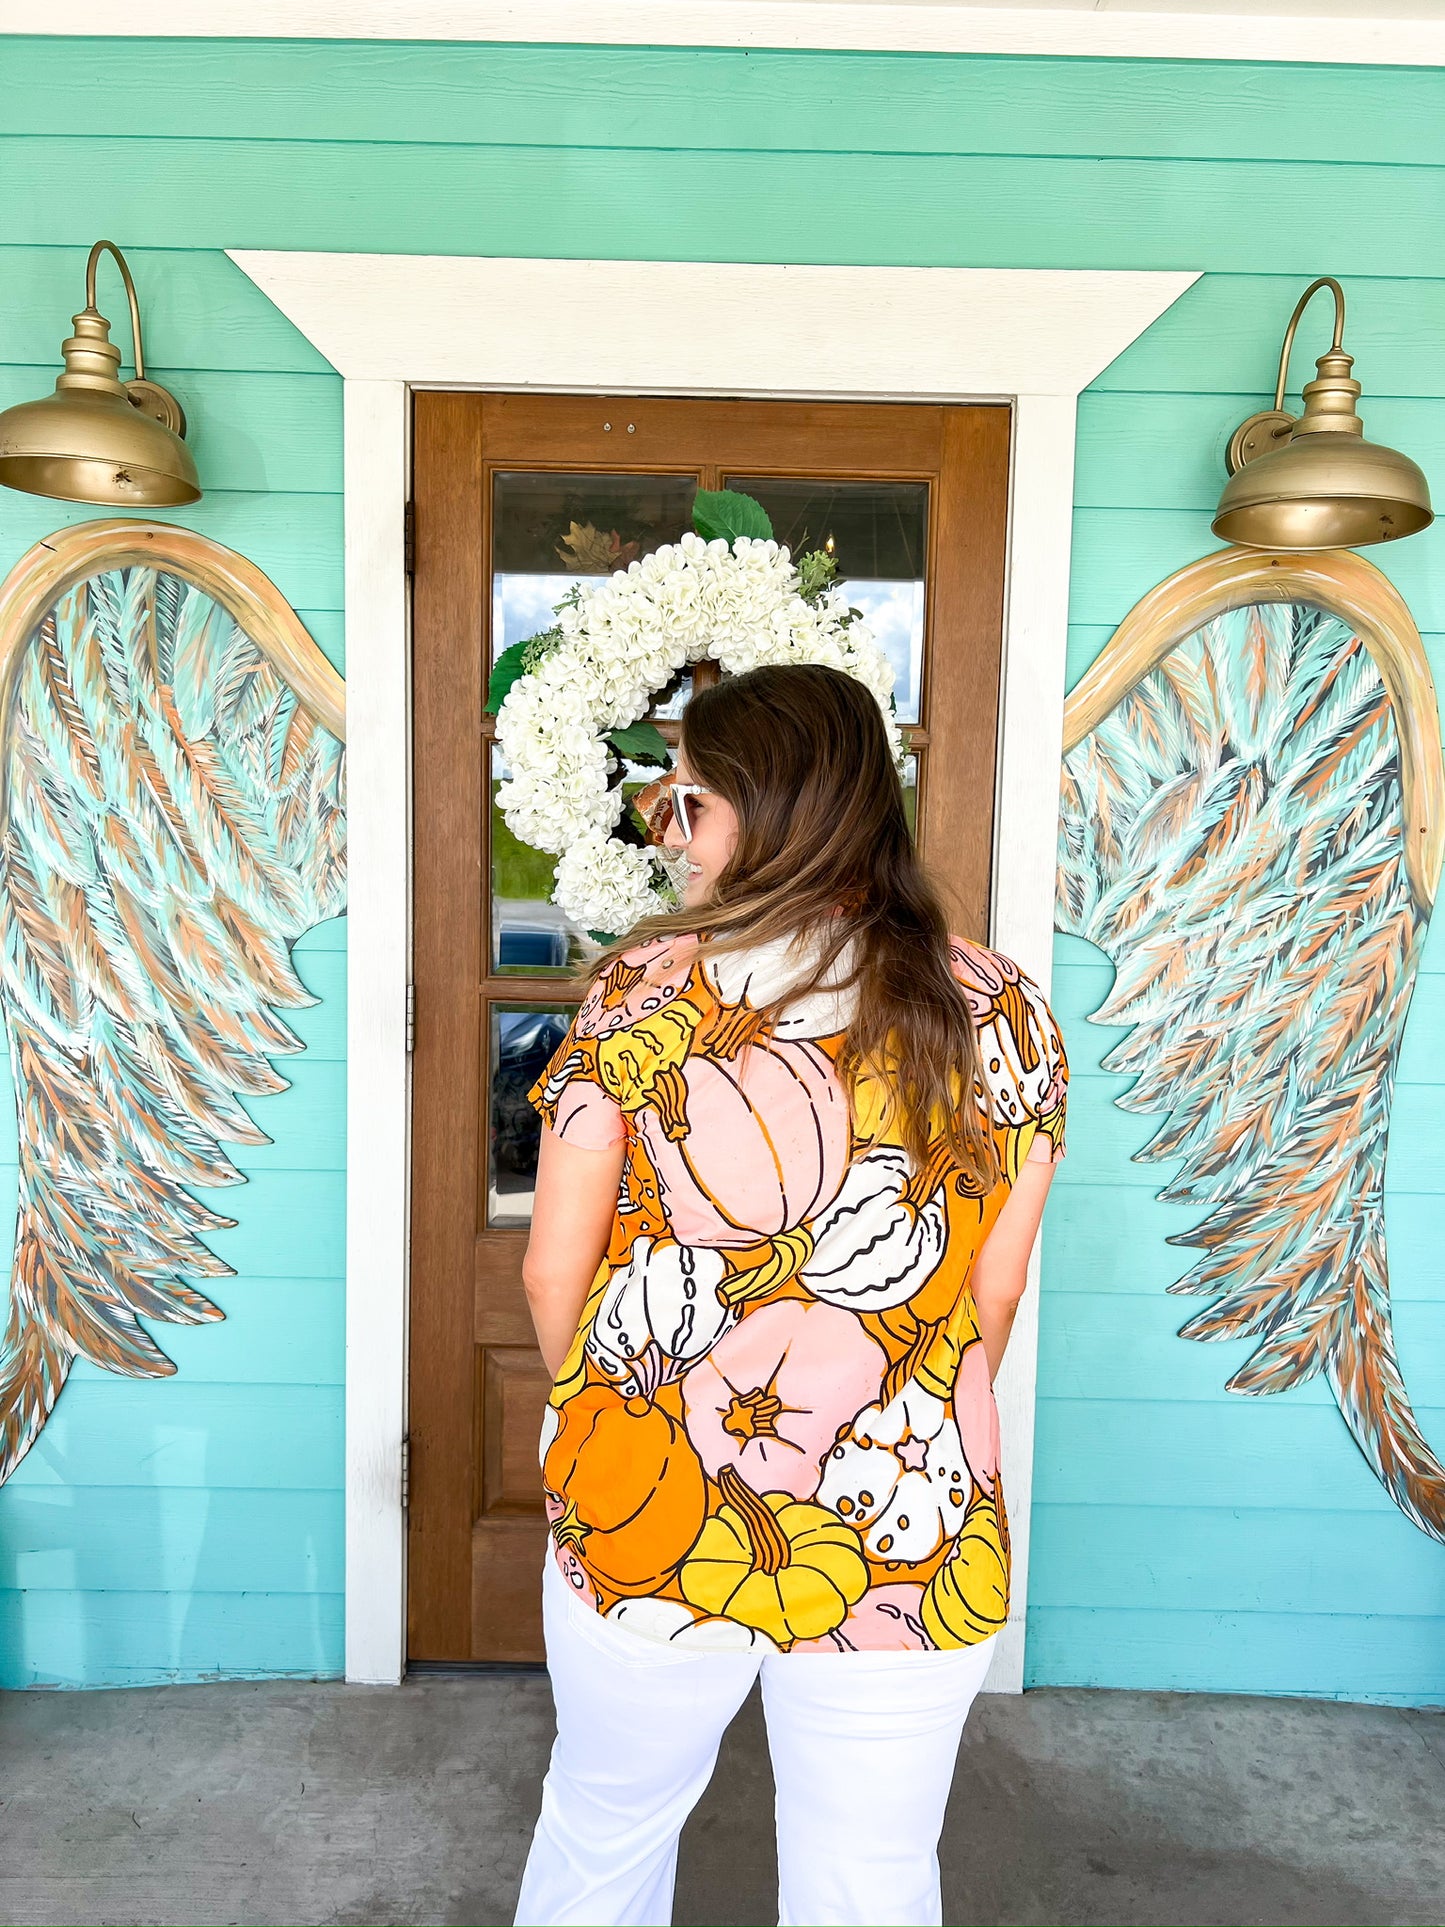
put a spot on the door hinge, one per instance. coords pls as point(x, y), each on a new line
point(410, 1018)
point(408, 538)
point(406, 1471)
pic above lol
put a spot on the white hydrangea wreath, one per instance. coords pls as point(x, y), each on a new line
point(616, 642)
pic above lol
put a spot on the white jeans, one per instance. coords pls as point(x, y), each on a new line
point(863, 1748)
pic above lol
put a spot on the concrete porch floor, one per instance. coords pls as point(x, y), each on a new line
point(320, 1803)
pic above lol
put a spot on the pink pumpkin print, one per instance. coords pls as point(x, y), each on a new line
point(885, 1620)
point(766, 1144)
point(770, 1397)
point(977, 1414)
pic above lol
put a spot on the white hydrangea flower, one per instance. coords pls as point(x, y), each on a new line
point(625, 638)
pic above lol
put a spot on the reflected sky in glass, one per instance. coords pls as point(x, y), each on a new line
point(524, 605)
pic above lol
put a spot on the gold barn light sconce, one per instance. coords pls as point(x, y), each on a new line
point(97, 438)
point(1312, 481)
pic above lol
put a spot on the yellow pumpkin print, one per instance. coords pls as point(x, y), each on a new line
point(967, 1598)
point(641, 1065)
point(786, 1567)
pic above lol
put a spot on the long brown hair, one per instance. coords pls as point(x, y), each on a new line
point(824, 851)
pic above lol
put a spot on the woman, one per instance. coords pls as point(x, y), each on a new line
point(774, 1262)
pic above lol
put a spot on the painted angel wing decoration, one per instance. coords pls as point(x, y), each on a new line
point(1251, 830)
point(172, 764)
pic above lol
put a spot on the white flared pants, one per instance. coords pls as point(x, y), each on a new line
point(863, 1748)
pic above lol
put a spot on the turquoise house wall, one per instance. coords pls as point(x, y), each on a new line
point(1183, 1537)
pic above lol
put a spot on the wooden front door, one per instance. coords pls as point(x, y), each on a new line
point(516, 496)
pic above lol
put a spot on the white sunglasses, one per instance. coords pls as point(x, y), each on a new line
point(665, 799)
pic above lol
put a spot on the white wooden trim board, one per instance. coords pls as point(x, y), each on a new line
point(1360, 32)
point(391, 322)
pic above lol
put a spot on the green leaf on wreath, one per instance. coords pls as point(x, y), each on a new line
point(509, 666)
point(640, 743)
point(723, 512)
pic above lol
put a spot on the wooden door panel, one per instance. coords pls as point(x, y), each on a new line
point(477, 1386)
point(512, 1397)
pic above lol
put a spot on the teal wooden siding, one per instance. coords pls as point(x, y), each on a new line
point(1183, 1537)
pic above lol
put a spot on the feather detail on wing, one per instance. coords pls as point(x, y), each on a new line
point(172, 824)
point(1234, 838)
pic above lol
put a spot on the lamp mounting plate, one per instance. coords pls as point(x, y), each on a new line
point(159, 403)
point(1257, 436)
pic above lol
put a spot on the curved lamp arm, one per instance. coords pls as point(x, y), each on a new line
point(1325, 281)
point(109, 247)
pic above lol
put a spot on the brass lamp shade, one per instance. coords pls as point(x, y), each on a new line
point(97, 439)
point(1315, 482)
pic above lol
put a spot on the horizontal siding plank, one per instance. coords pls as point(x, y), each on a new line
point(759, 98)
point(289, 1222)
point(1088, 1227)
point(1247, 1452)
point(1229, 1560)
point(306, 1124)
point(322, 1027)
point(177, 1432)
point(1122, 1345)
point(198, 310)
point(1396, 1661)
point(899, 209)
point(249, 433)
point(1167, 451)
point(1120, 553)
point(276, 1331)
point(160, 1638)
point(295, 539)
point(1223, 334)
point(327, 628)
point(327, 936)
point(135, 1539)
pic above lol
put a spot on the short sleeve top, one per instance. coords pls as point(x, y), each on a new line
point(776, 1425)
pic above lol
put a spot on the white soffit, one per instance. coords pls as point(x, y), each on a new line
point(711, 328)
point(1368, 32)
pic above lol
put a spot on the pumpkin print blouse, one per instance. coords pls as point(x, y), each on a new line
point(775, 1426)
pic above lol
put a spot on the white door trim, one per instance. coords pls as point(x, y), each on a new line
point(390, 322)
point(1407, 33)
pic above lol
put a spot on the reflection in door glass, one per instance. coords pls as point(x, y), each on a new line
point(550, 532)
point(523, 1038)
point(531, 936)
point(529, 933)
point(879, 533)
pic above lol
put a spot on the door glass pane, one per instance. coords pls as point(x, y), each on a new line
point(550, 532)
point(523, 1038)
point(530, 935)
point(910, 792)
point(879, 534)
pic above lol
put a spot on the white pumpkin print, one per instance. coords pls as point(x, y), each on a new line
point(899, 1476)
point(659, 1314)
point(756, 976)
point(871, 1249)
point(678, 1625)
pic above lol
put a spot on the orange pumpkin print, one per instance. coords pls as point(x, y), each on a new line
point(630, 1488)
point(776, 1412)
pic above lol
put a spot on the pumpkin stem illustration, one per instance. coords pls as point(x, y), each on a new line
point(569, 1529)
point(926, 1180)
point(767, 1538)
point(754, 1415)
point(762, 1268)
point(903, 1369)
point(728, 1032)
point(620, 979)
point(669, 1096)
